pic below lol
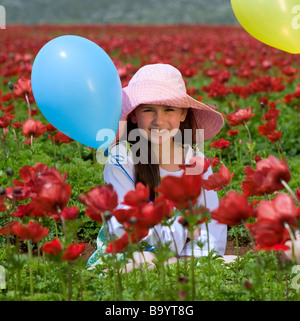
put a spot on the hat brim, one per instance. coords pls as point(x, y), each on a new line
point(158, 93)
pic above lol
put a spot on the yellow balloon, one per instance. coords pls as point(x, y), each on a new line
point(273, 22)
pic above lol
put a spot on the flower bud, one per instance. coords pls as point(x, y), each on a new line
point(9, 172)
point(248, 284)
point(10, 85)
point(107, 215)
point(132, 220)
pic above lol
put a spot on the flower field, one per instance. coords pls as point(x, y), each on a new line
point(54, 199)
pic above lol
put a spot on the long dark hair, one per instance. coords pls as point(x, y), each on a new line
point(147, 172)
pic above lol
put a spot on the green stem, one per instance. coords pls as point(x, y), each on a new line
point(249, 134)
point(278, 150)
point(236, 151)
point(293, 239)
point(3, 147)
point(208, 255)
point(45, 268)
point(230, 164)
point(285, 184)
point(17, 280)
point(16, 139)
point(80, 283)
point(250, 141)
point(28, 105)
point(193, 268)
point(117, 277)
point(30, 267)
point(237, 251)
point(69, 282)
point(177, 254)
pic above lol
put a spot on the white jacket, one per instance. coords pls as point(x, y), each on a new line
point(122, 179)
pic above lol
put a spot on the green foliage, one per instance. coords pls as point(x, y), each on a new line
point(260, 278)
point(257, 276)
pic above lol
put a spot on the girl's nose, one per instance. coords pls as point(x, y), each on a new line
point(158, 119)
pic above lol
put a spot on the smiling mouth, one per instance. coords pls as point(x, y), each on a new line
point(157, 131)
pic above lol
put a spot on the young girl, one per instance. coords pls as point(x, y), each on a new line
point(151, 142)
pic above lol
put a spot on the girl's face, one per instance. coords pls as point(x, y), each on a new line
point(159, 122)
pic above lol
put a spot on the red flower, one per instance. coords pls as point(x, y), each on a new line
point(16, 125)
point(217, 181)
point(233, 209)
point(10, 228)
point(98, 200)
point(60, 137)
point(249, 186)
point(56, 217)
point(18, 193)
point(271, 114)
point(268, 128)
point(34, 232)
point(215, 162)
point(197, 166)
point(138, 197)
point(70, 213)
point(33, 128)
point(53, 197)
point(29, 174)
point(239, 117)
point(152, 213)
point(29, 209)
point(144, 216)
point(50, 128)
point(4, 121)
point(298, 193)
point(257, 158)
point(23, 87)
point(45, 176)
point(198, 216)
point(233, 132)
point(182, 191)
point(274, 137)
point(53, 248)
point(269, 235)
point(121, 243)
point(216, 89)
point(282, 209)
point(267, 177)
point(6, 97)
point(2, 204)
point(52, 193)
point(118, 245)
point(220, 143)
point(270, 172)
point(73, 251)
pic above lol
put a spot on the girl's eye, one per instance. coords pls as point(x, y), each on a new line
point(146, 110)
point(169, 109)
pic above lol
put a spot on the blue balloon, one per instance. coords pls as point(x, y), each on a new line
point(78, 89)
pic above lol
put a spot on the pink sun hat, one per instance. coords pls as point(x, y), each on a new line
point(162, 84)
